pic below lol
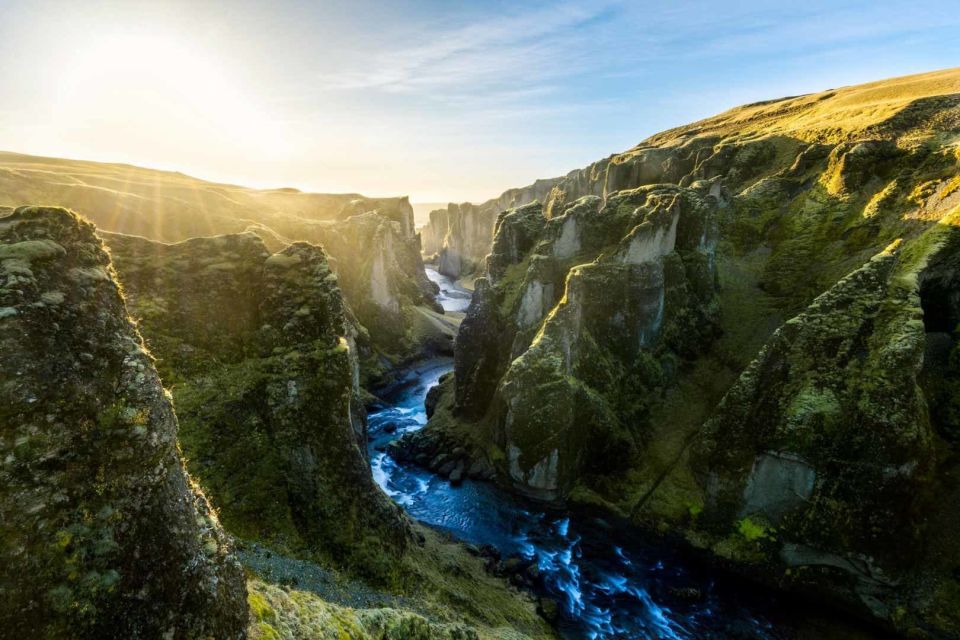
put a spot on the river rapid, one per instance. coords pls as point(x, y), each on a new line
point(605, 586)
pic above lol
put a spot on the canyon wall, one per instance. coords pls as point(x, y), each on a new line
point(459, 237)
point(614, 353)
point(265, 377)
point(371, 242)
point(103, 534)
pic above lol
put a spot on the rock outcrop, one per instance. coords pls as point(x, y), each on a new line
point(560, 352)
point(383, 281)
point(459, 237)
point(822, 470)
point(821, 453)
point(258, 352)
point(102, 532)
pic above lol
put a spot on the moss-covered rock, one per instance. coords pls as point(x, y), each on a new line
point(577, 398)
point(102, 532)
point(458, 238)
point(382, 277)
point(821, 470)
point(265, 379)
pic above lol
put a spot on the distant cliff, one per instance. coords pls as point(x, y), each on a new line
point(170, 206)
point(372, 242)
point(459, 237)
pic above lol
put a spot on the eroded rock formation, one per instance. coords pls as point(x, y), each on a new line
point(102, 532)
point(459, 237)
point(265, 378)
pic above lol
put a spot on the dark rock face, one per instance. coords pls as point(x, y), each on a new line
point(271, 415)
point(433, 397)
point(479, 352)
point(102, 532)
point(574, 399)
point(823, 449)
point(561, 353)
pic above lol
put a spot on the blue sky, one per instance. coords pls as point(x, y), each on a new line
point(440, 100)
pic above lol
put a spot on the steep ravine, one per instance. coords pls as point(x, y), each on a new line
point(593, 579)
point(104, 534)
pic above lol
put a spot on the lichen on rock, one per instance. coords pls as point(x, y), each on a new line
point(102, 532)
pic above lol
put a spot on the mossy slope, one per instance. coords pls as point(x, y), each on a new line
point(842, 408)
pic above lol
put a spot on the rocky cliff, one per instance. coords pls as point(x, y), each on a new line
point(575, 323)
point(384, 284)
point(458, 238)
point(102, 532)
point(371, 242)
point(263, 369)
point(821, 464)
point(614, 353)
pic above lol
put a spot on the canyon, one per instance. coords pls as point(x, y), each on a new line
point(703, 388)
point(728, 336)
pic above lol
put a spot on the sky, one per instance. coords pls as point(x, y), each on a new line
point(441, 100)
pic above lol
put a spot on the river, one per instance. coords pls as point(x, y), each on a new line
point(606, 586)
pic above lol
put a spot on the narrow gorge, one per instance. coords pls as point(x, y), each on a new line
point(701, 389)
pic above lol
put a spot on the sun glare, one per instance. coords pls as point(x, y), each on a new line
point(168, 91)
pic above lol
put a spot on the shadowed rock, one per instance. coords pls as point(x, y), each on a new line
point(102, 532)
point(266, 383)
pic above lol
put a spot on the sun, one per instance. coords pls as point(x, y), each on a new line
point(170, 90)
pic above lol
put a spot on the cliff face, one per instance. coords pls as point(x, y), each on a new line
point(102, 532)
point(579, 319)
point(383, 281)
point(616, 315)
point(821, 461)
point(371, 242)
point(459, 237)
point(265, 378)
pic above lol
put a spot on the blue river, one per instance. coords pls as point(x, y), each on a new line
point(606, 586)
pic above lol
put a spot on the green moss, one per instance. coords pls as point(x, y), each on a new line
point(511, 285)
point(752, 530)
point(260, 608)
point(29, 250)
